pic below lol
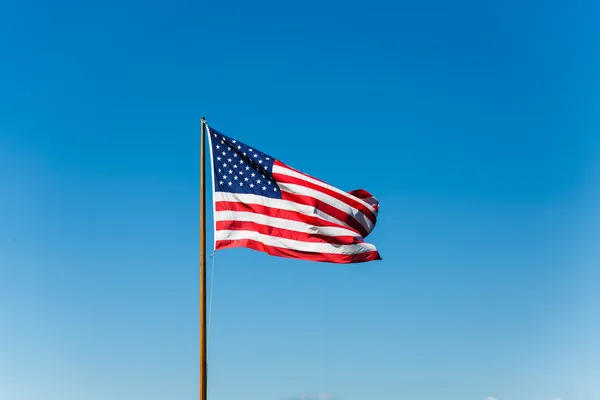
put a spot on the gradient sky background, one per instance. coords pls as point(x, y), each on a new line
point(475, 123)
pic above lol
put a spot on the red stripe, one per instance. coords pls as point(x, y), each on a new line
point(327, 209)
point(361, 193)
point(304, 255)
point(366, 197)
point(276, 213)
point(344, 199)
point(285, 233)
point(282, 165)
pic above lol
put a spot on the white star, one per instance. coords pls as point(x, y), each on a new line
point(275, 189)
point(266, 167)
point(235, 177)
point(224, 153)
point(252, 185)
point(264, 188)
point(241, 172)
point(258, 181)
point(244, 154)
point(246, 179)
point(239, 147)
point(247, 168)
point(235, 155)
point(233, 141)
point(229, 159)
point(267, 158)
point(217, 147)
point(230, 183)
point(219, 169)
point(215, 135)
point(241, 183)
point(220, 182)
point(218, 158)
point(260, 161)
point(224, 165)
point(269, 182)
point(255, 155)
point(230, 172)
point(234, 166)
point(241, 162)
point(253, 174)
point(250, 150)
point(222, 141)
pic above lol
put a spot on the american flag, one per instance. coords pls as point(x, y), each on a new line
point(263, 204)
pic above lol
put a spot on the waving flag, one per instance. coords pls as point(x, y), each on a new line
point(263, 204)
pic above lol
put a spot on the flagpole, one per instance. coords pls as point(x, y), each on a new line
point(203, 374)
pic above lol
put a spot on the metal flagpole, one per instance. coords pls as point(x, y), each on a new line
point(203, 375)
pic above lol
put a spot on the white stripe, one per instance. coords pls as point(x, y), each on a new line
point(296, 244)
point(332, 201)
point(289, 172)
point(291, 225)
point(372, 201)
point(246, 198)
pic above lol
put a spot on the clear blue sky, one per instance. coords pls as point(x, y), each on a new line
point(474, 123)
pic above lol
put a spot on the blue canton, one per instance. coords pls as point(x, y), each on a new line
point(239, 168)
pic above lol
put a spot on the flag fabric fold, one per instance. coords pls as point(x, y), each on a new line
point(262, 204)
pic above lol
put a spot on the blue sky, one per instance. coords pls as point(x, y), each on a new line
point(474, 123)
